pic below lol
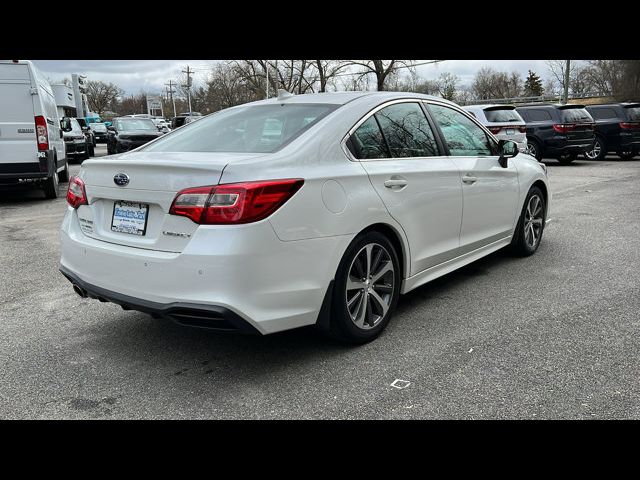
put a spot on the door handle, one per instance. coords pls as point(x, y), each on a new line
point(469, 179)
point(395, 182)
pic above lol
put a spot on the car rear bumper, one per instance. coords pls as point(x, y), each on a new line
point(189, 314)
point(42, 168)
point(270, 284)
point(579, 147)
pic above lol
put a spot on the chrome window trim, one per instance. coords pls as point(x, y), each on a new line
point(373, 111)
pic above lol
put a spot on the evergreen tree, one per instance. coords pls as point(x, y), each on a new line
point(533, 85)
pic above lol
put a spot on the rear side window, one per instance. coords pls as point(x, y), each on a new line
point(603, 113)
point(575, 115)
point(407, 131)
point(250, 129)
point(507, 115)
point(633, 114)
point(463, 137)
point(367, 141)
point(537, 115)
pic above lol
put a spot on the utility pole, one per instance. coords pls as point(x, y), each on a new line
point(171, 92)
point(188, 71)
point(565, 97)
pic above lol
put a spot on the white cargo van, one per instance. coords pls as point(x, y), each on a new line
point(31, 140)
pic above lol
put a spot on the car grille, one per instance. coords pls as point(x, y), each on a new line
point(141, 138)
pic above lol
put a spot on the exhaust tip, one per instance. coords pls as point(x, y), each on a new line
point(80, 291)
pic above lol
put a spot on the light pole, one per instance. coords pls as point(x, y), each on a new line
point(565, 97)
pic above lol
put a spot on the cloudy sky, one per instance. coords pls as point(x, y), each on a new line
point(151, 75)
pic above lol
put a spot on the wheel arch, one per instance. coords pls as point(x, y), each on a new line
point(545, 192)
point(398, 242)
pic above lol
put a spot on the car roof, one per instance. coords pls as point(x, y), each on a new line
point(341, 98)
point(491, 106)
point(557, 106)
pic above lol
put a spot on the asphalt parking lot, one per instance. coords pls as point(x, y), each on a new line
point(550, 336)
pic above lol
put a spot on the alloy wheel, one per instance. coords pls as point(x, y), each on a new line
point(370, 285)
point(595, 153)
point(531, 149)
point(533, 220)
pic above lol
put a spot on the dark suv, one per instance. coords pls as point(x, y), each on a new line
point(617, 130)
point(127, 133)
point(559, 131)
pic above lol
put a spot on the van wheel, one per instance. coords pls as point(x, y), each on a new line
point(51, 186)
point(366, 289)
point(63, 176)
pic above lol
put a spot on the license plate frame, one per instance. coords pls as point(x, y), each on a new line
point(134, 223)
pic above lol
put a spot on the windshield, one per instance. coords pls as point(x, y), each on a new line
point(71, 125)
point(247, 129)
point(98, 127)
point(134, 124)
point(570, 115)
point(633, 114)
point(503, 115)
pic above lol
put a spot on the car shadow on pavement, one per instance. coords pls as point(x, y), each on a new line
point(27, 194)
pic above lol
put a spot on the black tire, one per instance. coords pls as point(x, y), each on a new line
point(534, 149)
point(600, 142)
point(63, 176)
point(520, 246)
point(342, 326)
point(627, 155)
point(51, 186)
point(566, 158)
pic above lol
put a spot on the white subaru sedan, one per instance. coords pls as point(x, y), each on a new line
point(301, 210)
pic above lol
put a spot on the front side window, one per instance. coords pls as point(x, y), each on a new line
point(603, 113)
point(407, 131)
point(463, 137)
point(538, 115)
point(247, 129)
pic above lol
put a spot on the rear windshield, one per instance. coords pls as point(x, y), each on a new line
point(633, 114)
point(570, 115)
point(134, 124)
point(250, 129)
point(503, 115)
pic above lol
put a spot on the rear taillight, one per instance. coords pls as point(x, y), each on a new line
point(563, 127)
point(234, 203)
point(522, 129)
point(495, 130)
point(41, 133)
point(630, 125)
point(76, 194)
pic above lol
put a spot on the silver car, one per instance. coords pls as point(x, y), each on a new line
point(503, 121)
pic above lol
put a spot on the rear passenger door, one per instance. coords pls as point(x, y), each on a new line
point(490, 192)
point(419, 186)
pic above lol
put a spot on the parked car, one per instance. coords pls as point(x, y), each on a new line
point(162, 125)
point(77, 143)
point(185, 118)
point(559, 131)
point(31, 145)
point(617, 130)
point(88, 133)
point(503, 121)
point(361, 199)
point(127, 133)
point(100, 132)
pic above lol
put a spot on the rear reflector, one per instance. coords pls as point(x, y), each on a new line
point(41, 133)
point(563, 127)
point(234, 203)
point(76, 193)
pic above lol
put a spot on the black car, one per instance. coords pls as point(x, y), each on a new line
point(559, 131)
point(99, 131)
point(76, 143)
point(617, 130)
point(181, 119)
point(127, 133)
point(87, 131)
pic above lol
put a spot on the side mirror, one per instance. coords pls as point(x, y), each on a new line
point(507, 149)
point(111, 128)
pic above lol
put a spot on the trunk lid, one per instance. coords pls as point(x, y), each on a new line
point(154, 179)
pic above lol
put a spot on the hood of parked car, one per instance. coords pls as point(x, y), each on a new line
point(124, 134)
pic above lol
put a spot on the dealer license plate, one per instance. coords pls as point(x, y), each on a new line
point(129, 217)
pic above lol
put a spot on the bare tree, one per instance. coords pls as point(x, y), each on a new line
point(381, 69)
point(327, 71)
point(489, 83)
point(447, 85)
point(133, 104)
point(101, 95)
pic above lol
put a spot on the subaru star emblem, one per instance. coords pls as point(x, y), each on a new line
point(121, 179)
